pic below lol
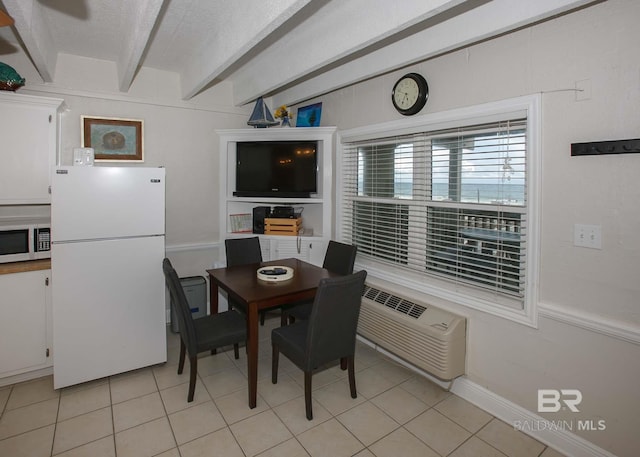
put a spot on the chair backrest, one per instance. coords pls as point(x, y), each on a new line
point(334, 319)
point(340, 258)
point(242, 251)
point(181, 305)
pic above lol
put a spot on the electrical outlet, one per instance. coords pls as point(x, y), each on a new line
point(587, 236)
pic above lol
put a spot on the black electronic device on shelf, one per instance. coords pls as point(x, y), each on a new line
point(259, 214)
point(283, 212)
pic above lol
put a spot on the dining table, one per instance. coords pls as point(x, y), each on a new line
point(242, 284)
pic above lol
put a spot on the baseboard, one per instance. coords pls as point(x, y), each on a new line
point(28, 376)
point(563, 441)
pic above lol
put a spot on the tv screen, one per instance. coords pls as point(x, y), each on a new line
point(276, 169)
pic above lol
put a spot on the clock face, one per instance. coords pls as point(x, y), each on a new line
point(410, 94)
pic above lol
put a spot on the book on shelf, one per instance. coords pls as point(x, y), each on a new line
point(241, 223)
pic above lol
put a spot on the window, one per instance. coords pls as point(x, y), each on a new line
point(448, 204)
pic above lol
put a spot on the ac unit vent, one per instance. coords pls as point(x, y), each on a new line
point(371, 293)
point(382, 297)
point(394, 302)
point(428, 337)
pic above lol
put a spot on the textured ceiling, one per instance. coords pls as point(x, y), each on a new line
point(300, 48)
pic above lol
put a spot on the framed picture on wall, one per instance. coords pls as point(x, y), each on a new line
point(309, 116)
point(113, 139)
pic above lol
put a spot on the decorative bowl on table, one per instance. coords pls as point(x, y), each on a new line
point(274, 273)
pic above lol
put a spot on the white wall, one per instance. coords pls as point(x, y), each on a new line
point(596, 291)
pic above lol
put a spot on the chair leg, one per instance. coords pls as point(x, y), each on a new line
point(193, 361)
point(307, 394)
point(262, 314)
point(343, 363)
point(352, 376)
point(275, 352)
point(283, 319)
point(236, 351)
point(183, 349)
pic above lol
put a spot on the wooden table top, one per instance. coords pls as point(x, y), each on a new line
point(242, 280)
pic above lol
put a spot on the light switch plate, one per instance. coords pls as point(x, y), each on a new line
point(587, 236)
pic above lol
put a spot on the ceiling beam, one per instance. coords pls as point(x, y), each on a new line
point(337, 33)
point(481, 22)
point(237, 38)
point(141, 17)
point(35, 34)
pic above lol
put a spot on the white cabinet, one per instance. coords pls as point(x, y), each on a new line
point(28, 128)
point(316, 210)
point(25, 322)
point(309, 249)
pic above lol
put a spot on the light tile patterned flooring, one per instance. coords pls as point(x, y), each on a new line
point(145, 413)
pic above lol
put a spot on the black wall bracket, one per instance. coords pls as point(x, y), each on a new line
point(605, 147)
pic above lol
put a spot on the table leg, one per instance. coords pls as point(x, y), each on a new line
point(213, 302)
point(213, 297)
point(252, 355)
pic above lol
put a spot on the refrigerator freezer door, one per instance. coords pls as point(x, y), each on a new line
point(108, 308)
point(89, 203)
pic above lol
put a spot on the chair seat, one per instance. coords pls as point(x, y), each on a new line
point(221, 329)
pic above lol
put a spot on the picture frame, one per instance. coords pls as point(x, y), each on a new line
point(113, 139)
point(309, 116)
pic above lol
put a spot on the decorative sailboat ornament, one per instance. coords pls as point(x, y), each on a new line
point(261, 116)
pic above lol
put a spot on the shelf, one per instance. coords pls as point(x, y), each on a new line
point(284, 201)
point(316, 210)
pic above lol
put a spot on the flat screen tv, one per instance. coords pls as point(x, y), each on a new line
point(285, 169)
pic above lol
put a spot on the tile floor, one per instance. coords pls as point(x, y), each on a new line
point(145, 413)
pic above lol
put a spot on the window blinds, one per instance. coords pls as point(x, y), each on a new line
point(446, 203)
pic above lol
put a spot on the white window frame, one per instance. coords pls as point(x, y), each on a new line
point(528, 107)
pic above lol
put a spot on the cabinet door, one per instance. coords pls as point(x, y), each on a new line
point(28, 132)
point(23, 322)
point(317, 250)
point(292, 247)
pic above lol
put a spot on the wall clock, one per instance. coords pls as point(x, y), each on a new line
point(410, 93)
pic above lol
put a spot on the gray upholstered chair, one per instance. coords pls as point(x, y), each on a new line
point(339, 258)
point(242, 251)
point(202, 334)
point(328, 335)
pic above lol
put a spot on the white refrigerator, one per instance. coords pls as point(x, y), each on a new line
point(108, 288)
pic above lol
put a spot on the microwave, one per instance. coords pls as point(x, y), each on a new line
point(25, 239)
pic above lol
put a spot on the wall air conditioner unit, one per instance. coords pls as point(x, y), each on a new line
point(427, 337)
